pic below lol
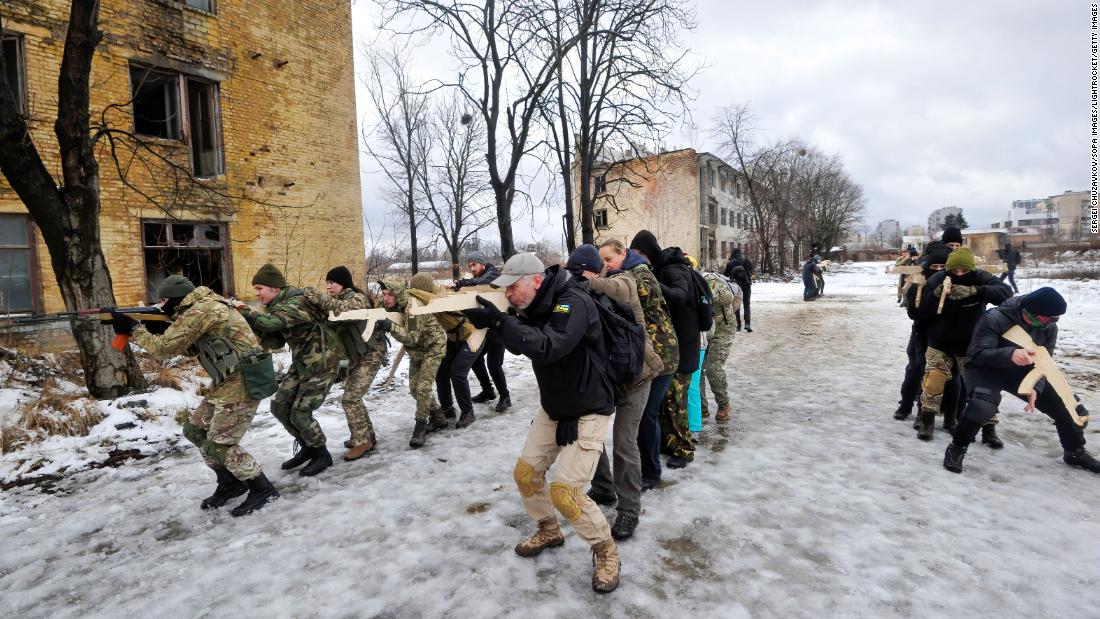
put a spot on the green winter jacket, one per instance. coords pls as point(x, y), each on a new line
point(314, 347)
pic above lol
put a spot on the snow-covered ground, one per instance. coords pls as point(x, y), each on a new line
point(812, 502)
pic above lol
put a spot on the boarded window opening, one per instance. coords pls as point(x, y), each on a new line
point(14, 70)
point(17, 285)
point(196, 250)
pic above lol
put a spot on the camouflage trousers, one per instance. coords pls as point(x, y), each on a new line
point(939, 369)
point(360, 377)
point(216, 429)
point(676, 437)
point(422, 383)
point(297, 398)
point(714, 369)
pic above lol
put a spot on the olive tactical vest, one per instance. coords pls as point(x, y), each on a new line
point(218, 356)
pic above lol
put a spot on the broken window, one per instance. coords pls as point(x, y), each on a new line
point(14, 72)
point(599, 218)
point(206, 156)
point(601, 183)
point(196, 250)
point(17, 265)
point(156, 103)
point(158, 112)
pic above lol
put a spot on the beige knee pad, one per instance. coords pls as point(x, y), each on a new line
point(527, 480)
point(934, 380)
point(567, 499)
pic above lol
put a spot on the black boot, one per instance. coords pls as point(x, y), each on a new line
point(228, 487)
point(449, 412)
point(466, 419)
point(903, 411)
point(321, 460)
point(949, 421)
point(260, 493)
point(420, 434)
point(624, 527)
point(438, 422)
point(484, 396)
point(303, 455)
point(677, 462)
point(1081, 458)
point(504, 403)
point(748, 328)
point(601, 498)
point(989, 437)
point(953, 457)
point(927, 423)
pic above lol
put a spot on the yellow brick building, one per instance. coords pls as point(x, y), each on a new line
point(687, 199)
point(254, 104)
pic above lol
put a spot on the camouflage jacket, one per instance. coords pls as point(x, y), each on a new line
point(294, 320)
point(421, 335)
point(203, 313)
point(658, 323)
point(722, 302)
point(348, 299)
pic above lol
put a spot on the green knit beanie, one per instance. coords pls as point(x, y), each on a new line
point(175, 287)
point(961, 258)
point(269, 275)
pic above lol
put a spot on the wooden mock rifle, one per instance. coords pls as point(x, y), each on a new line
point(1044, 368)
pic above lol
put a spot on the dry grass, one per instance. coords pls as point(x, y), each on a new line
point(54, 413)
point(169, 374)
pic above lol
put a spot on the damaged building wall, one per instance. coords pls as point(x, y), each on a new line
point(280, 159)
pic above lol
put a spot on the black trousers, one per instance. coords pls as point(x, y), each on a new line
point(984, 389)
point(914, 369)
point(747, 294)
point(1011, 275)
point(454, 371)
point(493, 351)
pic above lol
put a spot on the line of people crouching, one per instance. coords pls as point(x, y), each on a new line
point(960, 361)
point(552, 319)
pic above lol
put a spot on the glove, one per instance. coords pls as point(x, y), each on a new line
point(958, 293)
point(311, 295)
point(123, 324)
point(938, 292)
point(384, 325)
point(566, 432)
point(485, 317)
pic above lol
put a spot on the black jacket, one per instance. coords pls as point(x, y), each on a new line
point(809, 268)
point(950, 331)
point(989, 349)
point(1010, 256)
point(739, 268)
point(561, 333)
point(674, 273)
point(491, 273)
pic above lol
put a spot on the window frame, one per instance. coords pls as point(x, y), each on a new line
point(32, 263)
point(21, 96)
point(600, 215)
point(228, 285)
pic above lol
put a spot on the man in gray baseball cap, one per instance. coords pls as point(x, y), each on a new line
point(518, 266)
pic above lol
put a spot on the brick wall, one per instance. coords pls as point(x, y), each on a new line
point(288, 128)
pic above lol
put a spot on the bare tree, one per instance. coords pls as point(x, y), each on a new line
point(508, 61)
point(396, 140)
point(623, 84)
point(455, 193)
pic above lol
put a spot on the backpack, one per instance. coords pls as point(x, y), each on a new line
point(723, 301)
point(704, 306)
point(623, 339)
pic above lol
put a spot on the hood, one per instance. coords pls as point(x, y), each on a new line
point(1011, 308)
point(554, 279)
point(397, 286)
point(672, 255)
point(647, 244)
point(633, 259)
point(735, 253)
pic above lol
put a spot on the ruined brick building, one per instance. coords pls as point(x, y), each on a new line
point(253, 100)
point(688, 199)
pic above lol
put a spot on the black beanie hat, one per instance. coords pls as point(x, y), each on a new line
point(584, 258)
point(340, 275)
point(646, 243)
point(1044, 302)
point(952, 235)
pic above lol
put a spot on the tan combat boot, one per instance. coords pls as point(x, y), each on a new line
point(358, 451)
point(723, 414)
point(548, 536)
point(605, 566)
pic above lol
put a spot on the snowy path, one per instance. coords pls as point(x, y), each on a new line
point(812, 502)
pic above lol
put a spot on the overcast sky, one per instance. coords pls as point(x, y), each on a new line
point(929, 103)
